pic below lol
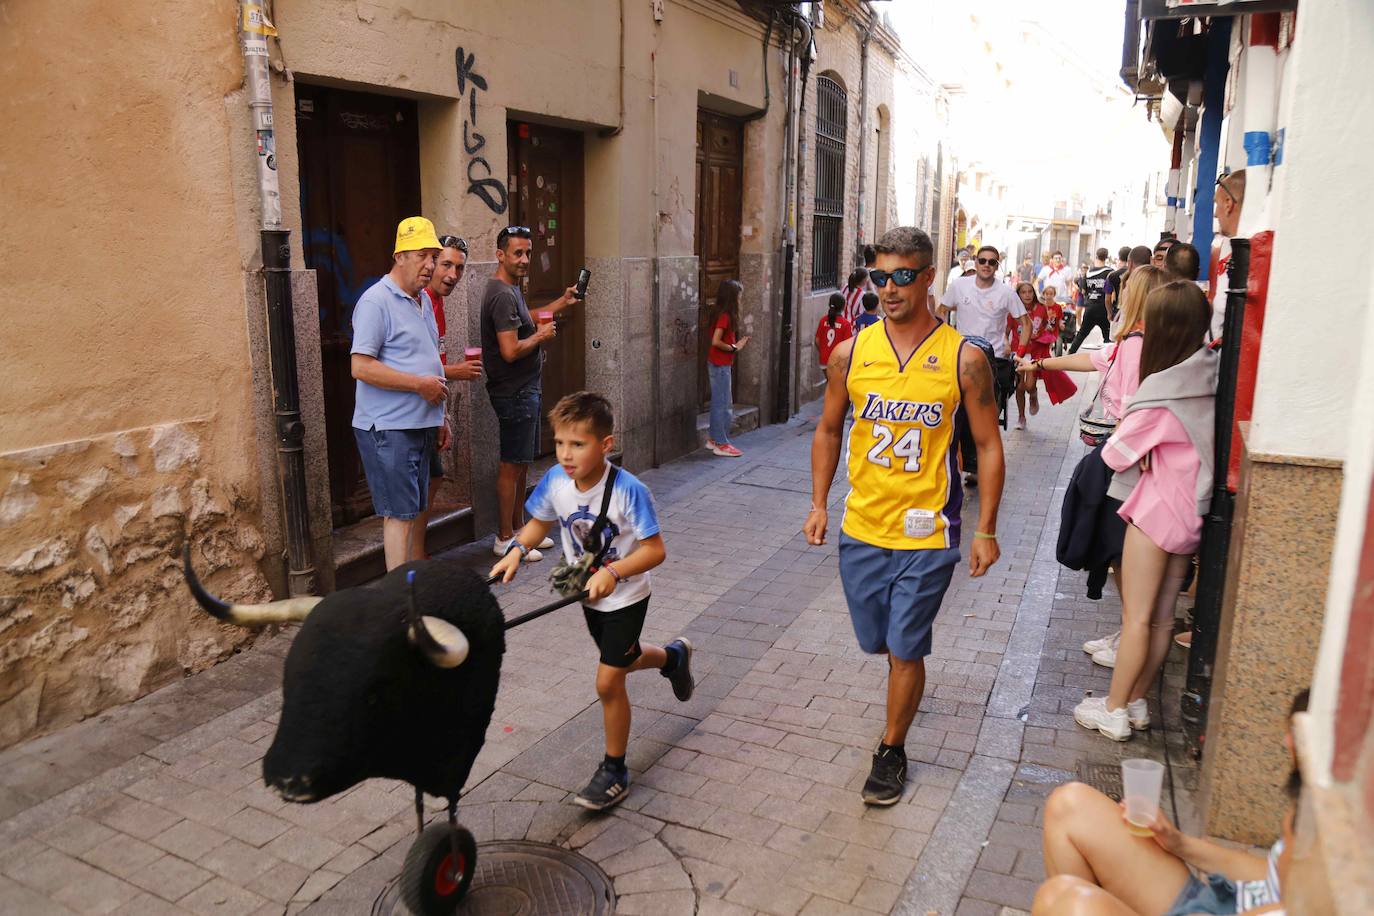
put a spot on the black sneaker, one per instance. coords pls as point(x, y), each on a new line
point(971, 480)
point(608, 787)
point(887, 778)
point(681, 676)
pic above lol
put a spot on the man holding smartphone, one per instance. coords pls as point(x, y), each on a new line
point(514, 361)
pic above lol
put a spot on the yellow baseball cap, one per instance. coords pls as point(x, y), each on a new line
point(415, 233)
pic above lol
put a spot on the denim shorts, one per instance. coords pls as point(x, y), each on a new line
point(518, 417)
point(894, 595)
point(396, 462)
point(1211, 894)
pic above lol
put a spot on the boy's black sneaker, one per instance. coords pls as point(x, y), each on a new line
point(887, 779)
point(608, 787)
point(681, 674)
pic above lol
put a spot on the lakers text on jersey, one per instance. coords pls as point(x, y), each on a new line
point(904, 492)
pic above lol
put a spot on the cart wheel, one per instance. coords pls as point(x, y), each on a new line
point(432, 883)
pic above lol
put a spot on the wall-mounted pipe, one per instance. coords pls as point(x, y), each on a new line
point(619, 124)
point(1258, 119)
point(767, 39)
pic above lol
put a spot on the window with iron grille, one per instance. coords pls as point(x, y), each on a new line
point(827, 224)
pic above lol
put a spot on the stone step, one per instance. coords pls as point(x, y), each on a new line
point(743, 418)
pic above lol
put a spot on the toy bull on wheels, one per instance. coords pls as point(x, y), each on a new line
point(397, 680)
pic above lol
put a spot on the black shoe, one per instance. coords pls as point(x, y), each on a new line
point(608, 787)
point(971, 480)
point(887, 778)
point(681, 675)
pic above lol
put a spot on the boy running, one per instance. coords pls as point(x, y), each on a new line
point(572, 495)
point(911, 387)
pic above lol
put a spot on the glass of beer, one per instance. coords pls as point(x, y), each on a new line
point(472, 354)
point(545, 317)
point(1141, 782)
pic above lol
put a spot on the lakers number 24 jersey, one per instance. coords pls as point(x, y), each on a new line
point(905, 492)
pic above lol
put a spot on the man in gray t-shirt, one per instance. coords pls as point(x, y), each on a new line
point(513, 359)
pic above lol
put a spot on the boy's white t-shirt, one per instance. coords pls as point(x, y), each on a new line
point(630, 518)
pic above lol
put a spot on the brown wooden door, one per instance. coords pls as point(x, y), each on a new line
point(546, 196)
point(720, 166)
point(360, 176)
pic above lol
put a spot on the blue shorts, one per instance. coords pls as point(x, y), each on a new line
point(1211, 894)
point(894, 595)
point(518, 418)
point(396, 462)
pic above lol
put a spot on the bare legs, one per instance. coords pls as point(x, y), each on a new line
point(1085, 840)
point(906, 682)
point(615, 701)
point(398, 542)
point(1150, 578)
point(510, 487)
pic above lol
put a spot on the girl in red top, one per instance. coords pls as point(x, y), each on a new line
point(720, 356)
point(1047, 318)
point(833, 329)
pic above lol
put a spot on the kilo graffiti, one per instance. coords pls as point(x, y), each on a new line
point(488, 188)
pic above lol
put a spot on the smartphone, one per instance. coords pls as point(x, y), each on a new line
point(584, 276)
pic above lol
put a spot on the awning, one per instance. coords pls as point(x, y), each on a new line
point(1178, 9)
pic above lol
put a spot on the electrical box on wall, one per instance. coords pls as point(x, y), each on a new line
point(657, 6)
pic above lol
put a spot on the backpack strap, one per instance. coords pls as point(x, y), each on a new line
point(592, 543)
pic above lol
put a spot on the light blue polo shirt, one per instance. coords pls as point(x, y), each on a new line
point(401, 333)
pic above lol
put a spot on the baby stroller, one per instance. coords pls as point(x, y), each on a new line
point(1003, 376)
point(1067, 332)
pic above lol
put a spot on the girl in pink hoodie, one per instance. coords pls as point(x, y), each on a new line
point(1162, 455)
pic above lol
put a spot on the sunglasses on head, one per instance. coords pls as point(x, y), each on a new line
point(902, 276)
point(512, 232)
point(452, 241)
point(1221, 183)
point(985, 261)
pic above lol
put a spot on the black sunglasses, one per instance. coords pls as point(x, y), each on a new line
point(902, 276)
point(1221, 179)
point(452, 241)
point(993, 261)
point(518, 232)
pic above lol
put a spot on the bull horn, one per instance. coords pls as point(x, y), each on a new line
point(245, 615)
point(440, 641)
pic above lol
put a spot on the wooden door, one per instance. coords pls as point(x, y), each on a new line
point(720, 166)
point(359, 177)
point(546, 195)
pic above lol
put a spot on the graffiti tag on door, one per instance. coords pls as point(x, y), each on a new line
point(488, 188)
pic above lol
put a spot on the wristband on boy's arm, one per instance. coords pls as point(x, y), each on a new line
point(516, 545)
point(612, 570)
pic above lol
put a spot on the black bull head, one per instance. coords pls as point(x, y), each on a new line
point(390, 680)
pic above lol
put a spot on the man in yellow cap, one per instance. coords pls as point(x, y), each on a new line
point(398, 416)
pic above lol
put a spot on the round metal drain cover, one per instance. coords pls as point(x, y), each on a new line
point(520, 878)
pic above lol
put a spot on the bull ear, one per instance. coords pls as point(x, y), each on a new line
point(245, 615)
point(440, 641)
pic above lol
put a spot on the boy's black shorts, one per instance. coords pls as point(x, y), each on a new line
point(616, 633)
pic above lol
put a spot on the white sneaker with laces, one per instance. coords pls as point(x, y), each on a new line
point(1106, 642)
point(499, 547)
point(1093, 713)
point(1105, 657)
point(1138, 714)
point(546, 544)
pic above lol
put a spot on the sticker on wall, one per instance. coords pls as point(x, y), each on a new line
point(513, 182)
point(553, 188)
point(534, 141)
point(552, 240)
point(553, 207)
point(553, 224)
point(523, 130)
point(544, 262)
point(539, 181)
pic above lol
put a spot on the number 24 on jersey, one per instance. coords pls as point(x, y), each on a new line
point(906, 447)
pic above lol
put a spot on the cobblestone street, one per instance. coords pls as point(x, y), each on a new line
point(745, 798)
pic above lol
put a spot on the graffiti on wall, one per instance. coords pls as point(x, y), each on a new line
point(485, 186)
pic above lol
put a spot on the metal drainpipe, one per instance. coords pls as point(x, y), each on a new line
point(281, 330)
point(792, 367)
point(863, 139)
point(655, 319)
point(786, 230)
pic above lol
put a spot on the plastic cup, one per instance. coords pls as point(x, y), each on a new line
point(472, 354)
point(1141, 782)
point(545, 317)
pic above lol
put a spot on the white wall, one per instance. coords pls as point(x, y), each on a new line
point(1310, 351)
point(1317, 394)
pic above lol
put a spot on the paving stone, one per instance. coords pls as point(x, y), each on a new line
point(218, 897)
point(257, 828)
point(95, 892)
point(76, 835)
point(280, 882)
point(237, 861)
point(877, 895)
point(767, 896)
point(1004, 890)
point(136, 818)
point(146, 904)
point(170, 878)
point(660, 903)
point(667, 876)
point(122, 855)
point(189, 840)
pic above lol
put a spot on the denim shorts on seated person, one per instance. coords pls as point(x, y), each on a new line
point(396, 462)
point(1210, 895)
point(894, 595)
point(518, 418)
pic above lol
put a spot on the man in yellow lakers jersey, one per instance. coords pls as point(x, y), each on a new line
point(912, 382)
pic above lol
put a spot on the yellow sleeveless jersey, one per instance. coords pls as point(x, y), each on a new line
point(905, 492)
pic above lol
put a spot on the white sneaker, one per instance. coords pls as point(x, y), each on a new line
point(1107, 642)
point(546, 544)
point(1105, 657)
point(499, 547)
point(1093, 713)
point(1138, 713)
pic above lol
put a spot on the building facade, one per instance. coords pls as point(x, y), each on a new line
point(665, 146)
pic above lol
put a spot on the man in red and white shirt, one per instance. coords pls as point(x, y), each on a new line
point(453, 261)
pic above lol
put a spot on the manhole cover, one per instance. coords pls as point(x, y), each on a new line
point(1104, 777)
point(519, 878)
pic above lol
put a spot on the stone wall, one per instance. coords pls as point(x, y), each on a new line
point(93, 610)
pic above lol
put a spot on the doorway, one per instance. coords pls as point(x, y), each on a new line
point(359, 177)
point(720, 165)
point(546, 196)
